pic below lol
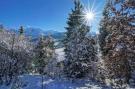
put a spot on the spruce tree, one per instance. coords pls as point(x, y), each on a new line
point(1, 27)
point(120, 43)
point(44, 51)
point(79, 50)
point(104, 31)
point(104, 24)
point(21, 30)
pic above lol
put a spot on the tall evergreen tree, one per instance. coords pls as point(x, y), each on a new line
point(21, 30)
point(104, 24)
point(79, 50)
point(120, 42)
point(104, 31)
point(1, 27)
point(44, 51)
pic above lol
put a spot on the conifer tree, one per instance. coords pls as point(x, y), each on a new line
point(104, 31)
point(44, 51)
point(79, 50)
point(21, 30)
point(1, 27)
point(120, 42)
point(104, 24)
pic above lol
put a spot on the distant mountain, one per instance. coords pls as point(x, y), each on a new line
point(36, 32)
point(33, 32)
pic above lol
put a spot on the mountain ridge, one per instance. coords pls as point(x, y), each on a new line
point(37, 32)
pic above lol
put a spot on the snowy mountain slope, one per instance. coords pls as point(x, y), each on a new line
point(60, 54)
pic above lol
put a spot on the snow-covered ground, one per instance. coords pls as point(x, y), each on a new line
point(34, 82)
point(60, 54)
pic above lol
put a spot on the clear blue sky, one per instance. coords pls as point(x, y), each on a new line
point(44, 14)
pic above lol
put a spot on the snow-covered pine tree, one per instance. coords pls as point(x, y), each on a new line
point(103, 33)
point(21, 30)
point(24, 48)
point(44, 51)
point(79, 50)
point(104, 24)
point(129, 33)
point(121, 42)
point(1, 27)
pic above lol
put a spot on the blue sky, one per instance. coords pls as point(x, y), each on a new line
point(44, 14)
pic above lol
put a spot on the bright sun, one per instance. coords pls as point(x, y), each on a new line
point(89, 16)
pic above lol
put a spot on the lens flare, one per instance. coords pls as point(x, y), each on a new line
point(89, 16)
point(90, 13)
